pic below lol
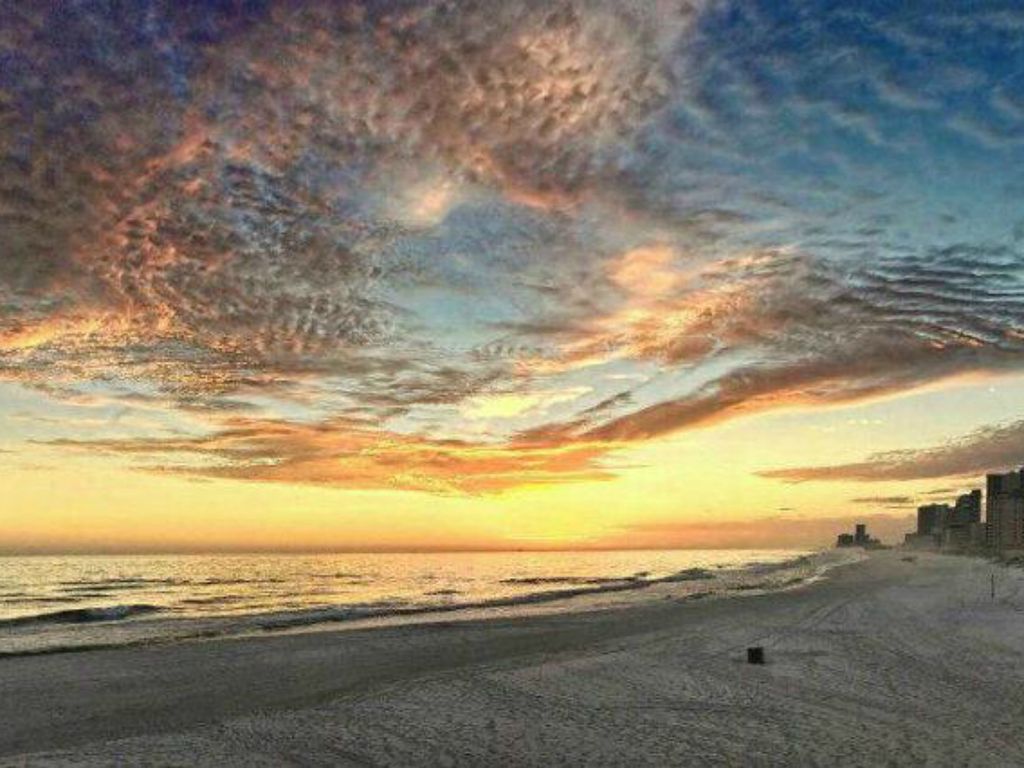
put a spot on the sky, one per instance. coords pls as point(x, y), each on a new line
point(480, 274)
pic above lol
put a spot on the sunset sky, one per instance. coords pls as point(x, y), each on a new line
point(437, 274)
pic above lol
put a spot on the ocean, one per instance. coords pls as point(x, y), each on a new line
point(52, 603)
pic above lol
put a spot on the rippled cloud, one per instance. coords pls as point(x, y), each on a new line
point(540, 228)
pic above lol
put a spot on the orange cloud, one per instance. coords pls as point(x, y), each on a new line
point(352, 455)
point(671, 308)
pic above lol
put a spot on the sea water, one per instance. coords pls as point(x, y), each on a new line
point(52, 603)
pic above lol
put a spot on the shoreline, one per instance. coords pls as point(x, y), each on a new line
point(864, 654)
point(160, 627)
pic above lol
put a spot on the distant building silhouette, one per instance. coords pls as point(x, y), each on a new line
point(932, 518)
point(967, 509)
point(859, 538)
point(1004, 510)
point(959, 527)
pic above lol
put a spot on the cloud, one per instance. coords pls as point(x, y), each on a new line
point(941, 492)
point(666, 310)
point(898, 500)
point(351, 454)
point(818, 336)
point(220, 215)
point(888, 502)
point(399, 217)
point(511, 405)
point(984, 450)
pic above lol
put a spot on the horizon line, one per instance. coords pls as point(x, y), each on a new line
point(384, 551)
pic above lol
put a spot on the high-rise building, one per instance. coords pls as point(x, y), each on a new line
point(961, 528)
point(967, 509)
point(932, 518)
point(1004, 510)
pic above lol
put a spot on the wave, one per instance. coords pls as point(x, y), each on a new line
point(388, 610)
point(639, 579)
point(689, 574)
point(95, 586)
point(214, 600)
point(126, 583)
point(761, 567)
point(340, 575)
point(39, 600)
point(538, 581)
point(83, 615)
point(99, 590)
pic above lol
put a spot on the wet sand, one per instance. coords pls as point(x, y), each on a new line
point(882, 662)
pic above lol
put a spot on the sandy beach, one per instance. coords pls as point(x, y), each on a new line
point(883, 662)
